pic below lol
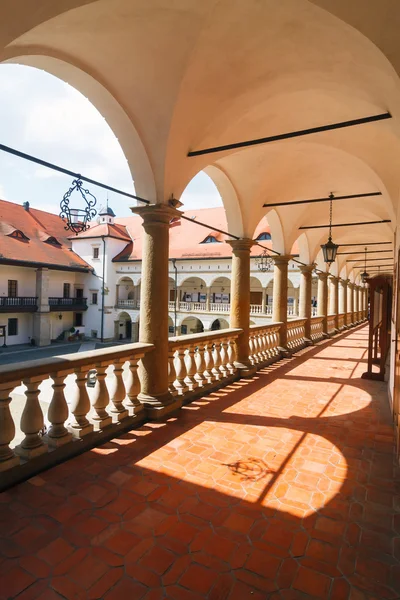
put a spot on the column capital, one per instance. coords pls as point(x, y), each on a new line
point(242, 245)
point(160, 214)
point(281, 259)
point(334, 278)
point(307, 268)
point(323, 275)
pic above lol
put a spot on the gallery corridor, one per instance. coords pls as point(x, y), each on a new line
point(283, 486)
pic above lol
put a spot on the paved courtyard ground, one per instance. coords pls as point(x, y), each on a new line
point(281, 487)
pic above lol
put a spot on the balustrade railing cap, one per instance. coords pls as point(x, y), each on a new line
point(24, 370)
point(182, 340)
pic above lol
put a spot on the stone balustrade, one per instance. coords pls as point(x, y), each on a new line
point(349, 319)
point(264, 344)
point(201, 362)
point(75, 413)
point(317, 329)
point(341, 321)
point(132, 304)
point(331, 324)
point(314, 311)
point(296, 334)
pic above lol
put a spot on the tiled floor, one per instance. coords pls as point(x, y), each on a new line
point(280, 487)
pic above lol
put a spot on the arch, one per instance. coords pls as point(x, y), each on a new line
point(277, 235)
point(218, 324)
point(229, 198)
point(123, 326)
point(125, 279)
point(301, 247)
point(192, 325)
point(79, 77)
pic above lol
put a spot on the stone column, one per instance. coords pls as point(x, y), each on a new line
point(305, 298)
point(280, 296)
point(117, 294)
point(208, 299)
point(360, 302)
point(350, 301)
point(240, 302)
point(334, 300)
point(343, 299)
point(41, 318)
point(153, 368)
point(296, 302)
point(264, 301)
point(322, 302)
point(355, 303)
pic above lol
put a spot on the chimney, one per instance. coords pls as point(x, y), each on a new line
point(26, 205)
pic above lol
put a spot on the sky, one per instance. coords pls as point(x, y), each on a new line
point(43, 116)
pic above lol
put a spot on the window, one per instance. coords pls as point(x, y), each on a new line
point(264, 236)
point(78, 320)
point(94, 298)
point(96, 252)
point(53, 241)
point(67, 290)
point(210, 239)
point(12, 326)
point(19, 235)
point(12, 288)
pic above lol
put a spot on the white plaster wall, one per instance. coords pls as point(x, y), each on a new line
point(25, 328)
point(25, 276)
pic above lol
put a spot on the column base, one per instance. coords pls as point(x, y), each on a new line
point(308, 342)
point(54, 442)
point(285, 352)
point(156, 407)
point(29, 453)
point(245, 370)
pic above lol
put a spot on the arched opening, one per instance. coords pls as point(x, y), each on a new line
point(218, 324)
point(126, 295)
point(256, 292)
point(193, 289)
point(123, 327)
point(220, 294)
point(191, 325)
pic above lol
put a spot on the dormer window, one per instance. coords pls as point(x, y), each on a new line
point(264, 237)
point(19, 235)
point(210, 239)
point(53, 241)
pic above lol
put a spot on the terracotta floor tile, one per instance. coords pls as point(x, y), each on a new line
point(283, 487)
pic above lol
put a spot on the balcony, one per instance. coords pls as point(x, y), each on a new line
point(10, 304)
point(62, 304)
point(130, 304)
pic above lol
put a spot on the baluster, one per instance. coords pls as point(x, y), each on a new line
point(58, 412)
point(100, 399)
point(32, 422)
point(132, 387)
point(217, 361)
point(231, 357)
point(80, 405)
point(209, 360)
point(200, 365)
point(191, 368)
point(263, 339)
point(224, 359)
point(180, 368)
point(259, 348)
point(251, 348)
point(171, 372)
point(116, 391)
point(7, 428)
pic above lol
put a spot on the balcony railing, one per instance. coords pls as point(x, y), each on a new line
point(111, 405)
point(264, 343)
point(56, 303)
point(317, 331)
point(296, 334)
point(18, 304)
point(132, 304)
point(331, 324)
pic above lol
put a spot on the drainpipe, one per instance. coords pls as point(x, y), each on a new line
point(173, 260)
point(102, 290)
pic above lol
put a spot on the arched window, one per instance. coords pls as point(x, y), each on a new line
point(210, 239)
point(264, 236)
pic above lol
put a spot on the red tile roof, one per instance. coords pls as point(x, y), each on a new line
point(38, 226)
point(186, 236)
point(104, 229)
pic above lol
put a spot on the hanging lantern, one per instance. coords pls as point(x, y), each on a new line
point(264, 262)
point(77, 219)
point(330, 249)
point(365, 275)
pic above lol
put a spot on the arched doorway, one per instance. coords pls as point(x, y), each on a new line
point(191, 325)
point(219, 324)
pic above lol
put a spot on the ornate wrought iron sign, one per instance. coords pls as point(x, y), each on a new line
point(77, 219)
